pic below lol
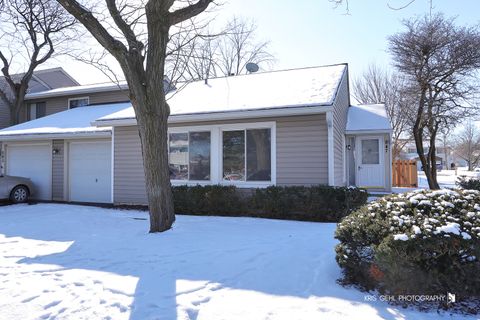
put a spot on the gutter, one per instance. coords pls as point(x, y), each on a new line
point(224, 115)
point(51, 136)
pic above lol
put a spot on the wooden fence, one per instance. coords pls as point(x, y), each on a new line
point(404, 173)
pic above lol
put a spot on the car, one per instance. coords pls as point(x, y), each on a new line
point(15, 189)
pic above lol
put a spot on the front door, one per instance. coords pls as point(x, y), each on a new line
point(371, 162)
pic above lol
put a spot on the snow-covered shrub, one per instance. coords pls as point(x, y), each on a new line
point(315, 203)
point(424, 242)
point(468, 183)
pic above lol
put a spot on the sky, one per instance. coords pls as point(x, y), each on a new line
point(305, 33)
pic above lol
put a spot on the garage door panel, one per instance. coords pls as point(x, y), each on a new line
point(34, 162)
point(90, 172)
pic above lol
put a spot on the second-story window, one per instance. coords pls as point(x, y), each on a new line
point(78, 102)
point(36, 110)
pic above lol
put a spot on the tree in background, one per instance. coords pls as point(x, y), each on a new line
point(467, 145)
point(33, 31)
point(200, 54)
point(439, 61)
point(137, 33)
point(376, 85)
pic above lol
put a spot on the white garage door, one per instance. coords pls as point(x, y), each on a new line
point(34, 162)
point(90, 171)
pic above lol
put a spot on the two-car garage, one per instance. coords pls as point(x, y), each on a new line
point(85, 172)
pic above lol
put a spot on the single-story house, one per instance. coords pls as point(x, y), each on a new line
point(293, 127)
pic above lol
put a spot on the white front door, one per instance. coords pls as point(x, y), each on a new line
point(90, 171)
point(371, 162)
point(34, 162)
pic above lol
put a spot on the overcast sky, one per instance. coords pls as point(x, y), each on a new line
point(312, 32)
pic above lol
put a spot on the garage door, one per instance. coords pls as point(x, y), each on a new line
point(34, 162)
point(90, 171)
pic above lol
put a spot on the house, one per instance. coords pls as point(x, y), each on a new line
point(444, 156)
point(41, 80)
point(292, 127)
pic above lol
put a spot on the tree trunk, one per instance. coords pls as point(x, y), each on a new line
point(433, 183)
point(153, 130)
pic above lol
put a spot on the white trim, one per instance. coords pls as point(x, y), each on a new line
point(113, 166)
point(224, 115)
point(74, 90)
point(344, 146)
point(77, 98)
point(216, 154)
point(390, 164)
point(330, 147)
point(381, 158)
point(369, 132)
point(56, 136)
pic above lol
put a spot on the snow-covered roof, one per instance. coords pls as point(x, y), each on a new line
point(74, 90)
point(368, 118)
point(70, 122)
point(308, 87)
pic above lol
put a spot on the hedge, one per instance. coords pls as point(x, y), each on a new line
point(418, 243)
point(315, 203)
point(468, 183)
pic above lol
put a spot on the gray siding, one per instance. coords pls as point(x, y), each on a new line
point(57, 170)
point(4, 115)
point(340, 110)
point(301, 155)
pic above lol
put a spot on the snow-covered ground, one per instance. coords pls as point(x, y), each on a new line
point(74, 262)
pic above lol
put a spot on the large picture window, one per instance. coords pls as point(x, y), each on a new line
point(189, 156)
point(247, 155)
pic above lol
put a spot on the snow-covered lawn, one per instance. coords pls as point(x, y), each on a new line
point(74, 262)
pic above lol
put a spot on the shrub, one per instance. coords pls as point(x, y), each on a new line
point(415, 243)
point(468, 183)
point(316, 203)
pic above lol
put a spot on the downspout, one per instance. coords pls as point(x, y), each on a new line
point(330, 149)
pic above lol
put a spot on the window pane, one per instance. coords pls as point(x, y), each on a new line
point(78, 103)
point(199, 156)
point(41, 109)
point(178, 156)
point(370, 151)
point(234, 155)
point(258, 155)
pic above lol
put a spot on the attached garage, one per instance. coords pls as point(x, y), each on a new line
point(32, 161)
point(90, 171)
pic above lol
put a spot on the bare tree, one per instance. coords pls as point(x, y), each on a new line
point(376, 85)
point(136, 34)
point(33, 31)
point(200, 54)
point(439, 59)
point(467, 145)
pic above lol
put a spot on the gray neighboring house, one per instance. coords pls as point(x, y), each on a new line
point(42, 80)
point(292, 127)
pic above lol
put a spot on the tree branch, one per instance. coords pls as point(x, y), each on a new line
point(188, 12)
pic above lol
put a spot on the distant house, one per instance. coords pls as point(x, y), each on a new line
point(293, 127)
point(42, 80)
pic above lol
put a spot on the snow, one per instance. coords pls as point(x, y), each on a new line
point(368, 118)
point(450, 227)
point(402, 237)
point(71, 121)
point(315, 86)
point(75, 90)
point(76, 262)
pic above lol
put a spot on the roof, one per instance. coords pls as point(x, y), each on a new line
point(368, 118)
point(73, 90)
point(73, 122)
point(307, 87)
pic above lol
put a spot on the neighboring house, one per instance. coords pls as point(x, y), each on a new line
point(293, 127)
point(42, 80)
point(445, 156)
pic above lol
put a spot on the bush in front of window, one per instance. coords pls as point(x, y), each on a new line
point(315, 203)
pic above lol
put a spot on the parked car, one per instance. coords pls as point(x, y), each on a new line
point(16, 189)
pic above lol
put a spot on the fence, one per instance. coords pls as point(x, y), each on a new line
point(404, 173)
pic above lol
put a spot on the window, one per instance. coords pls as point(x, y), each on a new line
point(37, 110)
point(78, 102)
point(370, 151)
point(189, 156)
point(247, 155)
